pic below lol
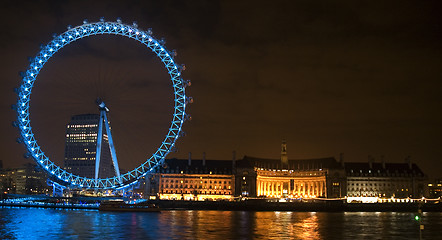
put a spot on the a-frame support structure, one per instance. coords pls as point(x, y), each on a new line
point(103, 119)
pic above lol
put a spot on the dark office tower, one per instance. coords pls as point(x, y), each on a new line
point(81, 147)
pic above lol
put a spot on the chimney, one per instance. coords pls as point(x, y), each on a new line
point(284, 158)
point(233, 159)
point(341, 159)
point(408, 160)
point(204, 158)
point(383, 161)
point(190, 159)
point(370, 161)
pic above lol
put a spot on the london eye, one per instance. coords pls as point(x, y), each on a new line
point(102, 27)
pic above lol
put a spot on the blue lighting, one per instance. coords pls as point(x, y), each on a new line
point(77, 33)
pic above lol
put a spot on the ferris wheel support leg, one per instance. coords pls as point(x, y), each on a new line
point(57, 189)
point(99, 138)
point(112, 148)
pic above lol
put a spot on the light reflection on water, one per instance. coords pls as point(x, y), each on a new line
point(32, 223)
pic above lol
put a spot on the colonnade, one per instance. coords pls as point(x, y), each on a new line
point(301, 187)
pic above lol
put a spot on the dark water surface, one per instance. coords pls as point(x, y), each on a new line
point(35, 223)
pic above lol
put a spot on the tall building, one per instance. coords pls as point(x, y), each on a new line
point(30, 179)
point(81, 147)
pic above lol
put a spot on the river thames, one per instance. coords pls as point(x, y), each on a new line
point(37, 223)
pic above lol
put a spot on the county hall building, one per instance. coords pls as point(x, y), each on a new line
point(189, 179)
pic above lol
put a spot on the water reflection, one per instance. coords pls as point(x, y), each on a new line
point(286, 225)
point(22, 223)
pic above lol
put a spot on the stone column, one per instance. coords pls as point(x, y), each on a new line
point(316, 188)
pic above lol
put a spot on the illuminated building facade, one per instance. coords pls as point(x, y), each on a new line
point(7, 180)
point(81, 145)
point(435, 188)
point(285, 178)
point(385, 180)
point(192, 180)
point(307, 178)
point(304, 178)
point(28, 179)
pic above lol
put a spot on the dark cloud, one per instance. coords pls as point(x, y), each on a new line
point(360, 78)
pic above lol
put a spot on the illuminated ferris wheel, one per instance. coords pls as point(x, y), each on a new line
point(179, 85)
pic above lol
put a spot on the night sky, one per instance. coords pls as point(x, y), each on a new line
point(352, 77)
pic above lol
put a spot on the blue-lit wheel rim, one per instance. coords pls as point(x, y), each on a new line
point(89, 29)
